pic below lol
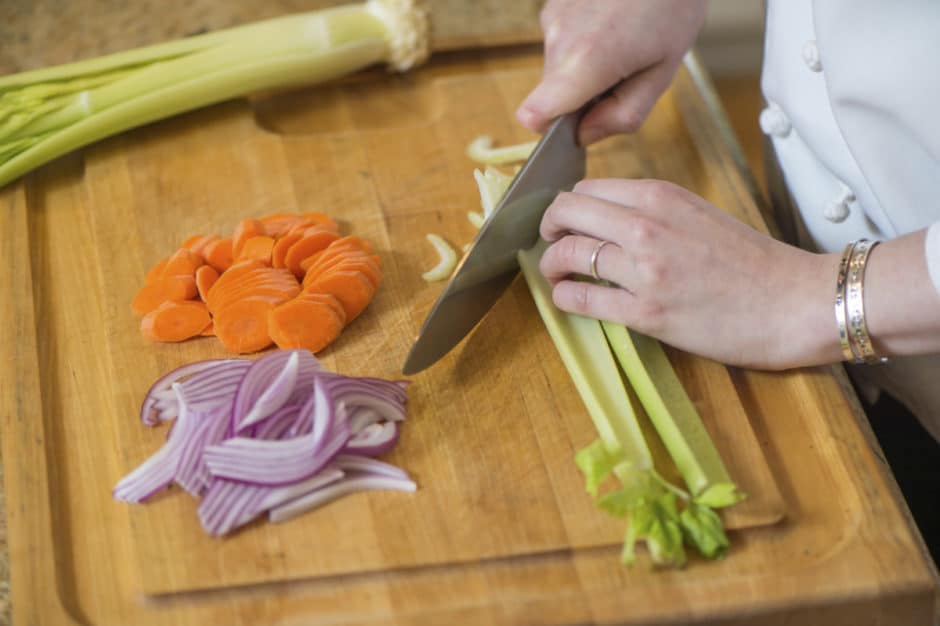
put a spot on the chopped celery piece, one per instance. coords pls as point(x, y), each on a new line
point(481, 150)
point(48, 112)
point(492, 184)
point(673, 415)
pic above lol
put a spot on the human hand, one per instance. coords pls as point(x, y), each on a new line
point(689, 274)
point(592, 45)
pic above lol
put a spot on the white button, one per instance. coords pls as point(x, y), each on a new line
point(773, 121)
point(838, 210)
point(811, 56)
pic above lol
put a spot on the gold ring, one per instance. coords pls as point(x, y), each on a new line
point(594, 255)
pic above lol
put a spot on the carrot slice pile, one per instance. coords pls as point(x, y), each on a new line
point(287, 279)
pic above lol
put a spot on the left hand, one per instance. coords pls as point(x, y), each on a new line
point(689, 274)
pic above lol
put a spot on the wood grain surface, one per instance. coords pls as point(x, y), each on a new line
point(500, 530)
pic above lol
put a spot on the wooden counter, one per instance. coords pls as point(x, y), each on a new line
point(843, 552)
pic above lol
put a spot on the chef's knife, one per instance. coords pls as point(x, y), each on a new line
point(555, 165)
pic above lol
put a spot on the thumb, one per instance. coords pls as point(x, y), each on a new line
point(563, 89)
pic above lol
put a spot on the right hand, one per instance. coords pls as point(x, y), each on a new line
point(592, 45)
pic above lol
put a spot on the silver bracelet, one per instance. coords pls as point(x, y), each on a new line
point(847, 352)
point(859, 338)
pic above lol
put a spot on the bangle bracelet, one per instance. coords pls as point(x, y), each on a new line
point(855, 304)
point(847, 351)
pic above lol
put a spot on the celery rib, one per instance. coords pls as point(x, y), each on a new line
point(46, 113)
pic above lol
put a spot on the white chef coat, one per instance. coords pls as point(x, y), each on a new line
point(853, 111)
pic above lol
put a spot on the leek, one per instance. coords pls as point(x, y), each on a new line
point(48, 112)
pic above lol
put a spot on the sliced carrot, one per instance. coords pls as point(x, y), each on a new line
point(279, 224)
point(183, 262)
point(326, 298)
point(258, 248)
point(322, 220)
point(205, 278)
point(304, 323)
point(156, 271)
point(275, 294)
point(175, 321)
point(208, 331)
point(281, 246)
point(199, 245)
point(242, 326)
point(349, 258)
point(245, 230)
point(310, 261)
point(233, 274)
point(245, 276)
point(166, 289)
point(353, 290)
point(218, 254)
point(314, 240)
point(190, 241)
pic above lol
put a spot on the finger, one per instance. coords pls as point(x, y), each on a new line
point(627, 107)
point(646, 194)
point(575, 71)
point(572, 255)
point(577, 213)
point(594, 300)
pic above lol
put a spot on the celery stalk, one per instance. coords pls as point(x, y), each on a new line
point(621, 450)
point(675, 418)
point(48, 112)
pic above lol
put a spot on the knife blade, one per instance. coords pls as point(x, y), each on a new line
point(555, 165)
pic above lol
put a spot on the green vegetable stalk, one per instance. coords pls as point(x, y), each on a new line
point(48, 112)
point(662, 515)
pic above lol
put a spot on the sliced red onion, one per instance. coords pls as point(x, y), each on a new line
point(258, 380)
point(276, 425)
point(362, 416)
point(260, 462)
point(204, 429)
point(345, 486)
point(374, 439)
point(366, 465)
point(149, 414)
point(229, 504)
point(300, 430)
point(276, 394)
point(157, 471)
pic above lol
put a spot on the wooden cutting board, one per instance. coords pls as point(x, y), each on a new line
point(500, 518)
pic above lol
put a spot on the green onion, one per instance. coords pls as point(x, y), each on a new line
point(48, 112)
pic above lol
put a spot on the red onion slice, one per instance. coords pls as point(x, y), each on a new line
point(305, 437)
point(374, 439)
point(161, 388)
point(259, 377)
point(343, 487)
point(366, 465)
point(276, 394)
point(260, 462)
point(229, 504)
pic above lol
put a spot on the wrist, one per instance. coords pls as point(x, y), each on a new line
point(807, 333)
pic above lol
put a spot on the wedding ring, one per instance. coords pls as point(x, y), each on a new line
point(594, 255)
